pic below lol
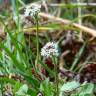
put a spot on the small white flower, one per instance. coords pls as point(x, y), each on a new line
point(49, 50)
point(32, 10)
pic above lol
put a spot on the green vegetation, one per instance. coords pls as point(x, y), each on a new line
point(47, 48)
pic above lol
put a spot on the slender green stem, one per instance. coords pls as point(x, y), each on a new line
point(56, 78)
point(56, 75)
point(77, 56)
point(29, 41)
point(37, 38)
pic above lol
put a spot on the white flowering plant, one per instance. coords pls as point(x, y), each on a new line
point(32, 10)
point(50, 49)
point(36, 60)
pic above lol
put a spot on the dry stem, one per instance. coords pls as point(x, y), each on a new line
point(68, 22)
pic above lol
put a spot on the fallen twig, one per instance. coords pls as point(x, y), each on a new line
point(68, 22)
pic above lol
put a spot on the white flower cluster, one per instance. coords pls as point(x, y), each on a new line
point(32, 10)
point(49, 50)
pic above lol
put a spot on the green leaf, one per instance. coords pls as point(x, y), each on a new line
point(22, 90)
point(32, 81)
point(15, 62)
point(70, 86)
point(16, 87)
point(32, 92)
point(47, 88)
point(87, 89)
